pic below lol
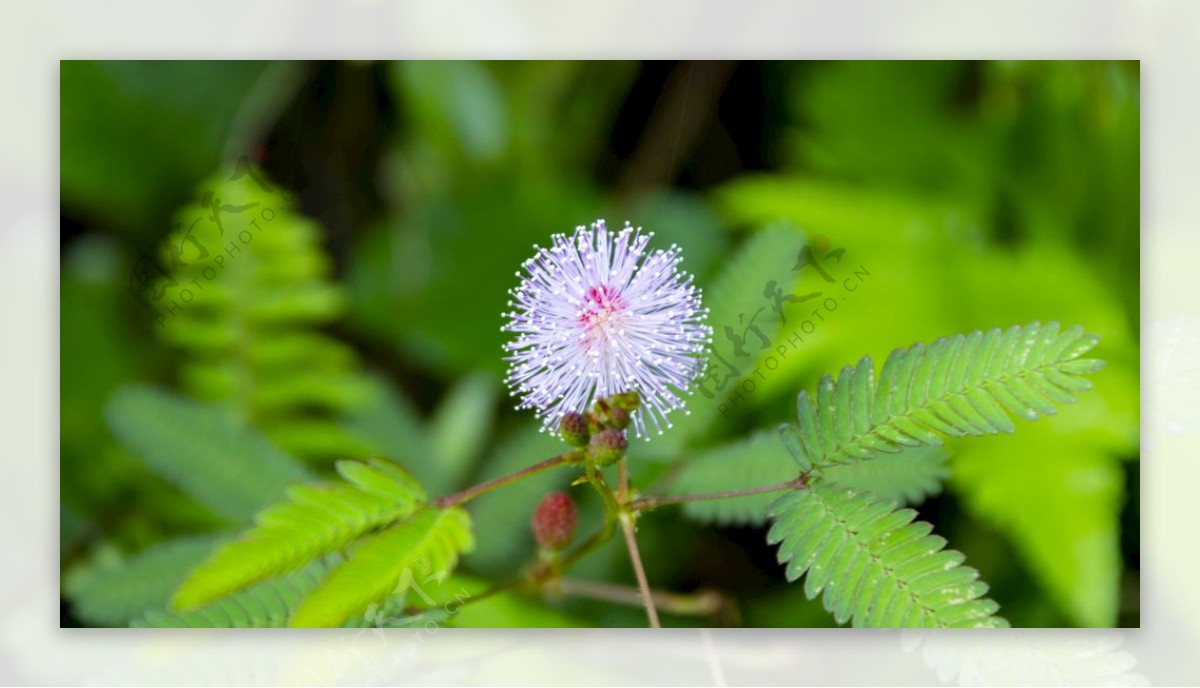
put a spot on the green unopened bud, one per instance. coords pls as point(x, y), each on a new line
point(628, 401)
point(619, 417)
point(573, 428)
point(607, 446)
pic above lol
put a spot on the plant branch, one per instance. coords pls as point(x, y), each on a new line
point(607, 528)
point(638, 569)
point(648, 503)
point(473, 492)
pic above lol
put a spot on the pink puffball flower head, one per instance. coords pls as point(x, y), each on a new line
point(597, 314)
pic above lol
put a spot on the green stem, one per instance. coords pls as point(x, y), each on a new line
point(596, 479)
point(607, 529)
point(473, 492)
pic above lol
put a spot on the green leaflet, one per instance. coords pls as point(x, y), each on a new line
point(229, 468)
point(422, 549)
point(960, 385)
point(873, 563)
point(315, 521)
point(265, 605)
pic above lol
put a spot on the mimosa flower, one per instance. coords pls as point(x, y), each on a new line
point(596, 315)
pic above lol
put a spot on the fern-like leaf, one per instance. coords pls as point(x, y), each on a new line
point(874, 564)
point(227, 467)
point(960, 385)
point(426, 546)
point(248, 287)
point(266, 605)
point(315, 521)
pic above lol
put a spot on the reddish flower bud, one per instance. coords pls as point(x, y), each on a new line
point(554, 521)
point(573, 428)
point(607, 446)
point(620, 418)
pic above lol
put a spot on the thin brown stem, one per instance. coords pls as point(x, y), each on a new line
point(648, 503)
point(473, 492)
point(639, 570)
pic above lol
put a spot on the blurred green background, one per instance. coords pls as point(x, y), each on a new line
point(364, 315)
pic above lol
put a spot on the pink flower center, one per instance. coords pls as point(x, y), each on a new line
point(600, 304)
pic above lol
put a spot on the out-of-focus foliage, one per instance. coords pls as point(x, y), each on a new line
point(266, 605)
point(950, 196)
point(137, 135)
point(224, 465)
point(247, 287)
point(113, 592)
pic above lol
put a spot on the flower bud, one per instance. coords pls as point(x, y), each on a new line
point(626, 400)
point(607, 446)
point(554, 521)
point(573, 428)
point(619, 418)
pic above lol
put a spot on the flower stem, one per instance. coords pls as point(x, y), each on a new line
point(626, 516)
point(473, 492)
point(640, 571)
point(648, 503)
point(596, 479)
